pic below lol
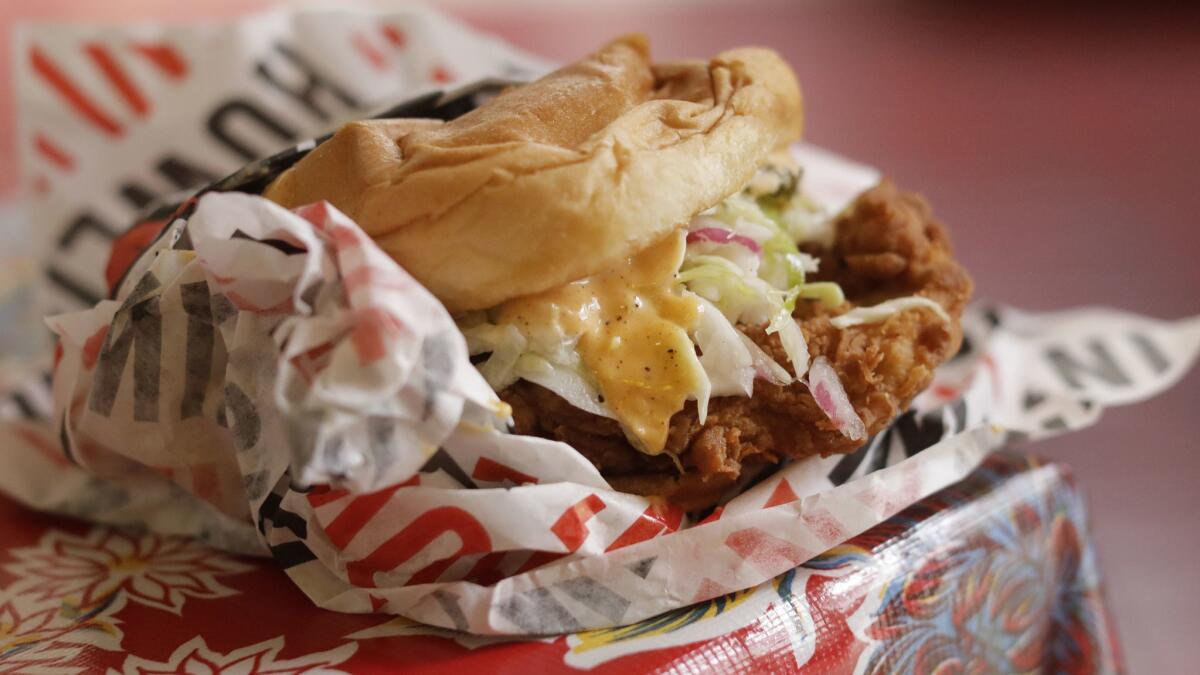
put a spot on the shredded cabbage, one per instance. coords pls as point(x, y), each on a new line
point(825, 292)
point(730, 366)
point(741, 297)
point(783, 264)
point(703, 394)
point(504, 343)
point(743, 263)
point(883, 310)
point(745, 260)
point(807, 222)
point(794, 345)
point(568, 382)
point(765, 291)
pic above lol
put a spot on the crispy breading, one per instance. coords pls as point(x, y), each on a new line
point(887, 245)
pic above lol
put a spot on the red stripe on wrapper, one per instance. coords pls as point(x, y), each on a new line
point(92, 347)
point(485, 571)
point(127, 248)
point(767, 553)
point(368, 51)
point(827, 527)
point(990, 364)
point(672, 516)
point(642, 529)
point(714, 516)
point(495, 472)
point(650, 524)
point(441, 75)
point(571, 526)
point(782, 494)
point(944, 391)
point(49, 448)
point(345, 236)
point(709, 589)
point(164, 57)
point(314, 213)
point(312, 362)
point(117, 78)
point(51, 75)
point(323, 494)
point(410, 541)
point(538, 559)
point(356, 516)
point(167, 472)
point(371, 331)
point(52, 152)
point(394, 35)
point(205, 484)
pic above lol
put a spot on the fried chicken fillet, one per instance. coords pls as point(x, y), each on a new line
point(887, 245)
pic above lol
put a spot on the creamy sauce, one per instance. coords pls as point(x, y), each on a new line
point(632, 324)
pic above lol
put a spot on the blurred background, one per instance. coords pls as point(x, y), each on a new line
point(1058, 140)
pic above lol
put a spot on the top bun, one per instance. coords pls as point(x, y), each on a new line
point(558, 179)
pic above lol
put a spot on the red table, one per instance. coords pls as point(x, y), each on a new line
point(994, 574)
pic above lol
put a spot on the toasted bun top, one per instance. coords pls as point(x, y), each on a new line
point(557, 179)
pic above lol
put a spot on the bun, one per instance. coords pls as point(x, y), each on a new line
point(557, 179)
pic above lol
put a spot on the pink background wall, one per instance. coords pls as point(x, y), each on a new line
point(1060, 145)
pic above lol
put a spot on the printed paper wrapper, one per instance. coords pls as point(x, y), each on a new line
point(111, 117)
point(271, 382)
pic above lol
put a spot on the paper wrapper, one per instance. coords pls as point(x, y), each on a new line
point(113, 117)
point(271, 382)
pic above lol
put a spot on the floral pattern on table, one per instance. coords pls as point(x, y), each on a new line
point(195, 658)
point(69, 588)
point(994, 574)
point(1020, 593)
point(102, 564)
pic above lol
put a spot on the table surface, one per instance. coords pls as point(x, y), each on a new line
point(1059, 145)
point(993, 574)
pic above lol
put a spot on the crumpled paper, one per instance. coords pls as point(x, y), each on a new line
point(270, 382)
point(279, 366)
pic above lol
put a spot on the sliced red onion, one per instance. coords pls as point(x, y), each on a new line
point(830, 395)
point(720, 235)
point(764, 366)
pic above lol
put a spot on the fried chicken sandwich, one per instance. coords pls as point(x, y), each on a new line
point(629, 251)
